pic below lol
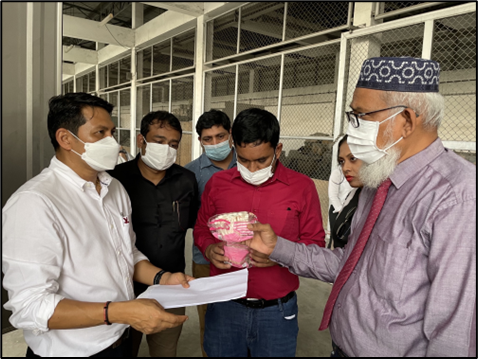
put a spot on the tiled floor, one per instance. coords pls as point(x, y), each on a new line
point(312, 296)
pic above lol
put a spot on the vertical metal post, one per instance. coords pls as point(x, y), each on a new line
point(239, 31)
point(281, 85)
point(284, 26)
point(428, 39)
point(198, 89)
point(152, 57)
point(170, 95)
point(150, 97)
point(236, 87)
point(97, 71)
point(133, 103)
point(59, 47)
point(349, 15)
point(171, 54)
point(29, 91)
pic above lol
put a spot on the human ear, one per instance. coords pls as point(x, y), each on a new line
point(64, 139)
point(411, 122)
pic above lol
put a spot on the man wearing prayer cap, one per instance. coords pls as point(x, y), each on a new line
point(405, 285)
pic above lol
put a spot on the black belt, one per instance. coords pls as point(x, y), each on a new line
point(262, 303)
point(120, 341)
point(338, 351)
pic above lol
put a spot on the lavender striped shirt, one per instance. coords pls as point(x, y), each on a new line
point(413, 291)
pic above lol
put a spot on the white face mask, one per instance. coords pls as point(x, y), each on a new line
point(158, 156)
point(101, 155)
point(363, 140)
point(256, 178)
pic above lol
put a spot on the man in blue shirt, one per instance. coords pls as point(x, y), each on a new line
point(214, 130)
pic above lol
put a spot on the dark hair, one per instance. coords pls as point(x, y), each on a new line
point(163, 118)
point(344, 139)
point(255, 126)
point(213, 118)
point(66, 111)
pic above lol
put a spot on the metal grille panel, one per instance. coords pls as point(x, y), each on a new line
point(309, 91)
point(222, 36)
point(143, 63)
point(183, 50)
point(454, 47)
point(113, 99)
point(261, 25)
point(259, 85)
point(113, 74)
point(308, 17)
point(125, 69)
point(162, 57)
point(161, 96)
point(182, 108)
point(125, 102)
point(219, 90)
point(143, 103)
point(398, 5)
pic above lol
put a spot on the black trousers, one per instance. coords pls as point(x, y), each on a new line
point(122, 351)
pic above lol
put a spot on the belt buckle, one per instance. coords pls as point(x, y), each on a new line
point(256, 303)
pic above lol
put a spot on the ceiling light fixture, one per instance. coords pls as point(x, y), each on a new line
point(106, 20)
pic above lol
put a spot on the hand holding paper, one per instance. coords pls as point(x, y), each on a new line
point(219, 288)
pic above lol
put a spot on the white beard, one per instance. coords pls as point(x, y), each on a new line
point(374, 174)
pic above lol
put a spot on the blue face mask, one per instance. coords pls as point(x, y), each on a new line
point(218, 152)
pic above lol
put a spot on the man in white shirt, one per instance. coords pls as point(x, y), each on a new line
point(69, 254)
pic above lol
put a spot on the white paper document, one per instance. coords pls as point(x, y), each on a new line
point(219, 288)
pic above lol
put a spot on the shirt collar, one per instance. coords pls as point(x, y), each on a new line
point(411, 166)
point(280, 175)
point(66, 171)
point(205, 161)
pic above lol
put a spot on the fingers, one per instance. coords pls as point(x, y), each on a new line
point(259, 227)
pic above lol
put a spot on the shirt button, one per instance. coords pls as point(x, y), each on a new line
point(112, 226)
point(339, 305)
point(119, 252)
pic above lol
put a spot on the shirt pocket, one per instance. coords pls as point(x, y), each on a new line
point(285, 223)
point(387, 269)
point(183, 209)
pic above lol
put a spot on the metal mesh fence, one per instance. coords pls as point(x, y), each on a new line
point(82, 83)
point(92, 81)
point(261, 25)
point(183, 50)
point(143, 103)
point(112, 98)
point(219, 90)
point(161, 96)
point(398, 5)
point(182, 108)
point(113, 75)
point(308, 17)
point(125, 70)
point(309, 91)
point(405, 41)
point(222, 36)
point(454, 47)
point(161, 58)
point(259, 85)
point(143, 63)
point(67, 87)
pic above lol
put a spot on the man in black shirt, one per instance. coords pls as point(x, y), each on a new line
point(164, 199)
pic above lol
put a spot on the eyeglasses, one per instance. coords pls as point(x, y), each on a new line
point(354, 117)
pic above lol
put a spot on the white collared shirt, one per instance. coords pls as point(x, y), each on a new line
point(61, 239)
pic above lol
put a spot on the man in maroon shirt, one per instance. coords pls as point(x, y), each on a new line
point(265, 322)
